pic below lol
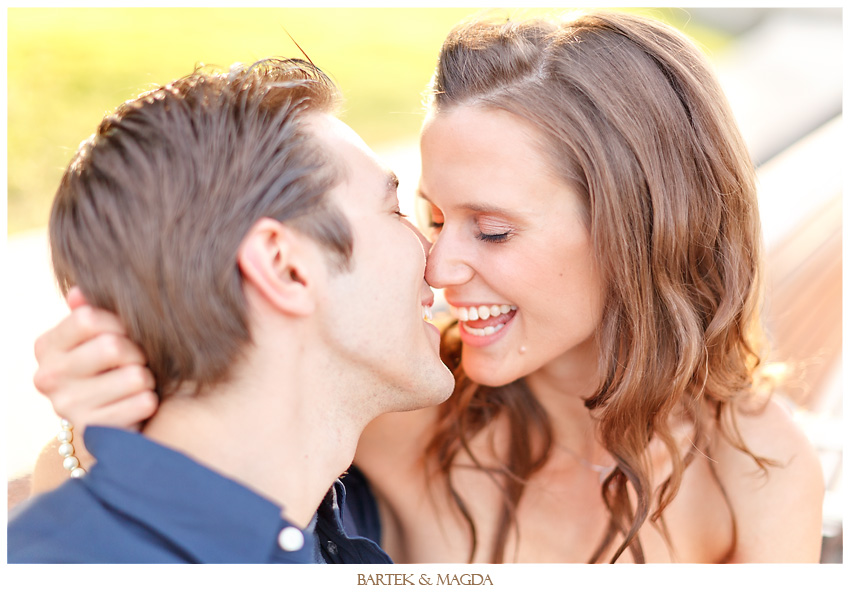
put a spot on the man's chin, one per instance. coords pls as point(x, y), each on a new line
point(434, 390)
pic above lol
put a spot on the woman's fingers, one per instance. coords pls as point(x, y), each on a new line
point(91, 371)
point(128, 412)
point(81, 325)
point(89, 400)
point(57, 369)
point(75, 298)
point(98, 355)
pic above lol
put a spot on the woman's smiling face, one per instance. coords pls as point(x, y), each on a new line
point(512, 248)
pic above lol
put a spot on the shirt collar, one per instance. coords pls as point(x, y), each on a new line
point(212, 517)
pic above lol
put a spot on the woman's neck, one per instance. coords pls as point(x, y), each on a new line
point(561, 388)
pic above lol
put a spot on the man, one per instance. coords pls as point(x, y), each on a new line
point(252, 245)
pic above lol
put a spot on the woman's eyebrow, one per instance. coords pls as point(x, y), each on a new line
point(478, 207)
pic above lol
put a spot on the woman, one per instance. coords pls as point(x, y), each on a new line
point(594, 223)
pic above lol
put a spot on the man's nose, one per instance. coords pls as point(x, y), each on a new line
point(426, 244)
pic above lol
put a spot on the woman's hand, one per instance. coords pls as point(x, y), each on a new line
point(91, 372)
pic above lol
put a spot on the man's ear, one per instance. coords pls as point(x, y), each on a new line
point(280, 263)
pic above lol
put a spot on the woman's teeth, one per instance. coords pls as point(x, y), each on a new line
point(426, 313)
point(489, 330)
point(483, 312)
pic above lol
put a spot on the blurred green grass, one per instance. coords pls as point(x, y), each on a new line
point(68, 67)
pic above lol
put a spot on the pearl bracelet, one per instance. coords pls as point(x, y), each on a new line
point(66, 450)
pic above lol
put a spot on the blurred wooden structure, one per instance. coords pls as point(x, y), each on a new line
point(803, 300)
point(804, 262)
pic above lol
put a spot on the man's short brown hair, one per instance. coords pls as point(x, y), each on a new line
point(152, 209)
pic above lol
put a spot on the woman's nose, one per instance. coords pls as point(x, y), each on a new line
point(447, 265)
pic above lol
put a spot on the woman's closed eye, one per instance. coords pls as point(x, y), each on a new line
point(497, 238)
point(493, 228)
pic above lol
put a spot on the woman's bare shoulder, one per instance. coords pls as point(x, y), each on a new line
point(778, 508)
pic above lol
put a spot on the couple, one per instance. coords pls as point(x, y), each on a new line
point(592, 218)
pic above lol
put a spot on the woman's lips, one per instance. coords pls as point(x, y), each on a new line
point(485, 327)
point(483, 332)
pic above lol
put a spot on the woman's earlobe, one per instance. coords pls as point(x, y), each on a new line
point(273, 260)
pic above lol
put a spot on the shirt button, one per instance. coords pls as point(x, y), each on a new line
point(290, 539)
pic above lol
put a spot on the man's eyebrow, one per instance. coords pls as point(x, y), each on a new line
point(392, 182)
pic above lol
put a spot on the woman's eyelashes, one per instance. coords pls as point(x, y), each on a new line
point(497, 238)
point(431, 221)
point(434, 227)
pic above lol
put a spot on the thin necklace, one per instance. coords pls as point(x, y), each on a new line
point(603, 471)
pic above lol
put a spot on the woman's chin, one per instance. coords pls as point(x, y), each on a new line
point(487, 374)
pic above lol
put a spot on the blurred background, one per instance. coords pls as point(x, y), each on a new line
point(782, 70)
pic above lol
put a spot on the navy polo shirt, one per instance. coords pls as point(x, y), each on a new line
point(145, 503)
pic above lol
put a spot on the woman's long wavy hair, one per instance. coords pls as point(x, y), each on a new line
point(635, 121)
